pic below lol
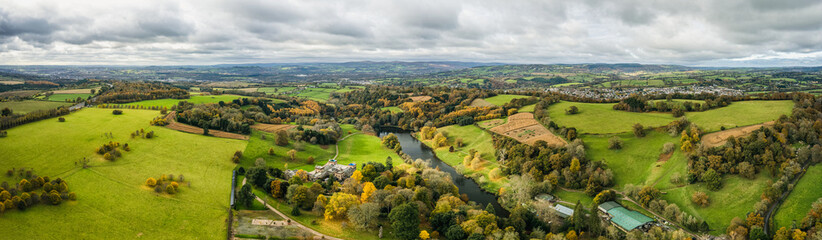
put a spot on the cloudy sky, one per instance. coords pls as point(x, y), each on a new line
point(169, 32)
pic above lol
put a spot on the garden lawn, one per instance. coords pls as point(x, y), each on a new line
point(112, 201)
point(27, 106)
point(501, 99)
point(602, 118)
point(168, 102)
point(62, 97)
point(637, 162)
point(804, 194)
point(739, 114)
point(473, 138)
point(736, 198)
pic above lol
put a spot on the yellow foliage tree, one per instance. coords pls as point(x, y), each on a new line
point(575, 165)
point(686, 146)
point(357, 175)
point(339, 204)
point(302, 174)
point(151, 182)
point(424, 235)
point(367, 190)
point(572, 235)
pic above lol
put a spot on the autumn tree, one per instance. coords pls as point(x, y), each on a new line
point(292, 154)
point(368, 189)
point(362, 216)
point(700, 198)
point(338, 205)
point(282, 138)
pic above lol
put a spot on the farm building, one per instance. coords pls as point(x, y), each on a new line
point(563, 211)
point(625, 219)
point(331, 168)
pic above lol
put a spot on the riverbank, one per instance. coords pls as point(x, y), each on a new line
point(416, 149)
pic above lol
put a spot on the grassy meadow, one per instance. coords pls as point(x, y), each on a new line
point(736, 198)
point(358, 148)
point(168, 102)
point(473, 138)
point(637, 162)
point(804, 194)
point(27, 106)
point(601, 118)
point(62, 97)
point(112, 201)
point(501, 99)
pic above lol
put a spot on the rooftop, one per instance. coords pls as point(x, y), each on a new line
point(563, 211)
point(608, 205)
point(628, 219)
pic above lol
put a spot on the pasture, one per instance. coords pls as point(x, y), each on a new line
point(638, 161)
point(27, 106)
point(601, 118)
point(736, 198)
point(168, 102)
point(112, 201)
point(320, 94)
point(358, 148)
point(393, 109)
point(501, 99)
point(473, 138)
point(524, 128)
point(63, 97)
point(804, 194)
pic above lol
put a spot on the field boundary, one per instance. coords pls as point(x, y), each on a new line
point(173, 124)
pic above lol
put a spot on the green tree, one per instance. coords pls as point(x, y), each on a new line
point(712, 179)
point(245, 196)
point(578, 219)
point(639, 130)
point(405, 221)
point(282, 138)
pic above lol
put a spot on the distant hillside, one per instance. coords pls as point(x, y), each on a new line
point(543, 69)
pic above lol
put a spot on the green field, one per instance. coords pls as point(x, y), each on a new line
point(111, 200)
point(320, 94)
point(637, 162)
point(499, 100)
point(27, 106)
point(527, 108)
point(736, 198)
point(804, 194)
point(392, 109)
point(62, 97)
point(473, 138)
point(601, 118)
point(754, 112)
point(358, 148)
point(168, 102)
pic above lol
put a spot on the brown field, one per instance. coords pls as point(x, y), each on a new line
point(479, 102)
point(248, 89)
point(492, 123)
point(83, 90)
point(22, 93)
point(10, 82)
point(192, 129)
point(420, 98)
point(524, 128)
point(718, 138)
point(272, 128)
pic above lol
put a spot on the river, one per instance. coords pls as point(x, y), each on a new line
point(467, 186)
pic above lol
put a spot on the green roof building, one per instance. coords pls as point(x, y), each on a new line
point(623, 218)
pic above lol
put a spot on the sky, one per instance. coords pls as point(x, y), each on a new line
point(730, 33)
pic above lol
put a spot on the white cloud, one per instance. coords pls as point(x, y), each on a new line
point(689, 32)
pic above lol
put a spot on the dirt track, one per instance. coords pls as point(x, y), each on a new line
point(718, 138)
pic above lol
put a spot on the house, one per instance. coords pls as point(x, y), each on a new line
point(331, 168)
point(624, 219)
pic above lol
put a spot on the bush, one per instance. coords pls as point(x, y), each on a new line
point(668, 147)
point(151, 182)
point(117, 112)
point(61, 119)
point(170, 189)
point(639, 130)
point(615, 143)
point(700, 199)
point(3, 133)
